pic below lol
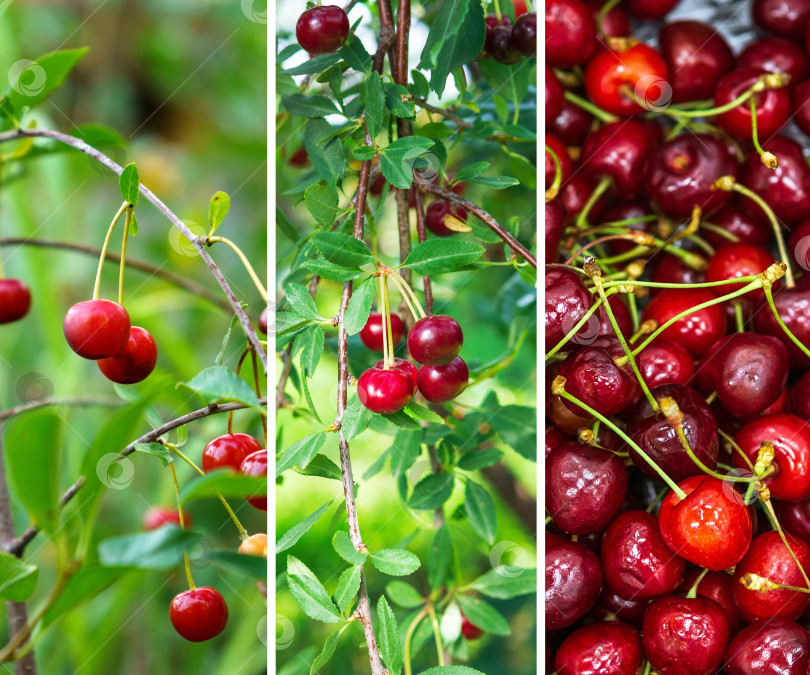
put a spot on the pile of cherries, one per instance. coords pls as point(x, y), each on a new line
point(678, 418)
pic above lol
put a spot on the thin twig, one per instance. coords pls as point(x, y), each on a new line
point(462, 124)
point(421, 232)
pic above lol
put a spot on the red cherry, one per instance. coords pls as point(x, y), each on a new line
point(322, 29)
point(715, 586)
point(263, 321)
point(469, 630)
point(731, 261)
point(612, 606)
point(573, 580)
point(616, 23)
point(554, 95)
point(134, 362)
point(772, 105)
point(794, 517)
point(228, 452)
point(255, 464)
point(566, 165)
point(96, 329)
point(385, 391)
point(500, 46)
point(158, 516)
point(199, 614)
point(793, 305)
point(372, 332)
point(15, 300)
point(577, 191)
point(570, 33)
point(435, 215)
point(800, 396)
point(605, 648)
point(783, 17)
point(669, 269)
point(435, 340)
point(443, 383)
point(776, 55)
point(553, 439)
point(554, 226)
point(663, 362)
point(572, 123)
point(405, 366)
point(775, 646)
point(801, 106)
point(739, 222)
point(650, 9)
point(524, 34)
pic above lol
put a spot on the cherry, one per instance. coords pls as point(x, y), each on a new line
point(697, 56)
point(96, 329)
point(800, 397)
point(627, 211)
point(710, 527)
point(15, 300)
point(405, 366)
point(554, 94)
point(799, 245)
point(620, 313)
point(228, 452)
point(605, 648)
point(300, 158)
point(323, 29)
point(793, 305)
point(571, 125)
point(732, 261)
point(663, 362)
point(570, 33)
point(636, 561)
point(255, 464)
point(553, 439)
point(199, 614)
point(801, 106)
point(696, 331)
point(790, 436)
point(776, 55)
point(650, 9)
point(469, 630)
point(565, 420)
point(657, 438)
point(716, 586)
point(443, 383)
point(739, 222)
point(685, 635)
point(794, 517)
point(772, 105)
point(385, 391)
point(566, 165)
point(768, 557)
point(615, 23)
point(157, 516)
point(640, 67)
point(679, 174)
point(585, 487)
point(135, 362)
point(435, 340)
point(500, 46)
point(554, 226)
point(255, 545)
point(573, 580)
point(775, 646)
point(524, 34)
point(575, 195)
point(435, 215)
point(263, 321)
point(611, 606)
point(670, 269)
point(372, 332)
point(783, 17)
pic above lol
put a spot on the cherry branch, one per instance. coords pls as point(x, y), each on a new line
point(421, 233)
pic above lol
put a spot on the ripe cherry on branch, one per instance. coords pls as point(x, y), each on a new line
point(199, 614)
point(134, 362)
point(323, 29)
point(255, 464)
point(96, 329)
point(228, 452)
point(15, 300)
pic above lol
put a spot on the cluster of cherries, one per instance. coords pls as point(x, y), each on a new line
point(678, 420)
point(508, 44)
point(433, 341)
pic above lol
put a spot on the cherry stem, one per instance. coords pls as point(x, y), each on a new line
point(705, 469)
point(127, 220)
point(632, 304)
point(385, 334)
point(182, 525)
point(603, 12)
point(766, 81)
point(409, 639)
point(598, 191)
point(768, 158)
point(258, 386)
point(702, 284)
point(627, 236)
point(693, 590)
point(497, 7)
point(598, 113)
point(595, 306)
point(388, 319)
point(788, 332)
point(554, 188)
point(401, 287)
point(238, 369)
point(658, 497)
point(253, 276)
point(437, 635)
point(766, 502)
point(716, 229)
point(97, 286)
point(738, 317)
point(644, 329)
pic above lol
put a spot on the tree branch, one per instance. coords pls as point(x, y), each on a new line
point(421, 232)
point(460, 123)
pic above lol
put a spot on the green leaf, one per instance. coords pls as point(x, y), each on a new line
point(217, 383)
point(342, 249)
point(388, 637)
point(301, 452)
point(479, 459)
point(325, 150)
point(301, 302)
point(403, 594)
point(402, 420)
point(327, 652)
point(240, 563)
point(302, 105)
point(399, 100)
point(439, 256)
point(218, 208)
point(440, 558)
point(33, 452)
point(83, 586)
point(484, 615)
point(481, 511)
point(356, 418)
point(157, 450)
point(317, 64)
point(160, 549)
point(496, 182)
point(309, 593)
point(501, 108)
point(128, 181)
point(328, 270)
point(133, 225)
point(395, 561)
point(321, 466)
point(313, 348)
point(225, 483)
point(291, 536)
point(322, 203)
point(517, 427)
point(512, 82)
point(359, 308)
point(348, 585)
point(364, 152)
point(472, 171)
point(452, 670)
point(404, 451)
point(432, 491)
point(397, 159)
point(523, 169)
point(506, 582)
point(419, 86)
point(32, 81)
point(343, 546)
point(419, 412)
point(355, 54)
point(375, 105)
point(17, 579)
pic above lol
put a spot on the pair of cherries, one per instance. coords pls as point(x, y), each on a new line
point(508, 44)
point(100, 330)
point(237, 452)
point(433, 341)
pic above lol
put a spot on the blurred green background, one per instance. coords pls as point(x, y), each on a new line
point(184, 83)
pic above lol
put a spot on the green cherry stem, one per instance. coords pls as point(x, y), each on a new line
point(765, 498)
point(738, 317)
point(598, 191)
point(716, 229)
point(437, 635)
point(127, 220)
point(767, 158)
point(736, 448)
point(97, 285)
point(692, 593)
point(405, 289)
point(788, 332)
point(636, 237)
point(600, 17)
point(702, 284)
point(387, 316)
point(579, 324)
point(384, 311)
point(554, 188)
point(251, 272)
point(182, 526)
point(398, 282)
point(658, 497)
point(598, 113)
point(409, 639)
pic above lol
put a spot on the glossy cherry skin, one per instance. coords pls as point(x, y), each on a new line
point(710, 527)
point(158, 516)
point(790, 436)
point(640, 67)
point(567, 300)
point(405, 366)
point(775, 647)
point(554, 438)
point(577, 191)
point(95, 329)
point(799, 398)
point(768, 557)
point(566, 165)
point(570, 33)
point(697, 56)
point(715, 586)
point(500, 46)
point(435, 217)
point(685, 636)
point(616, 23)
point(696, 331)
point(15, 300)
point(732, 261)
point(554, 95)
point(650, 9)
point(605, 648)
point(739, 222)
point(573, 581)
point(620, 312)
point(776, 55)
point(435, 340)
point(199, 614)
point(794, 517)
point(801, 106)
point(322, 29)
point(679, 174)
point(772, 105)
point(657, 437)
point(263, 321)
point(372, 332)
point(524, 34)
point(669, 269)
point(635, 559)
point(564, 420)
point(255, 464)
point(443, 383)
point(610, 606)
point(783, 17)
point(585, 487)
point(571, 125)
point(135, 362)
point(593, 377)
point(799, 245)
point(554, 226)
point(469, 630)
point(384, 391)
point(663, 362)
point(255, 545)
point(793, 305)
point(228, 452)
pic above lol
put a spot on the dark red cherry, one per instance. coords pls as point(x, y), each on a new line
point(799, 245)
point(605, 648)
point(573, 580)
point(554, 95)
point(772, 105)
point(95, 329)
point(679, 174)
point(793, 305)
point(610, 606)
point(405, 366)
point(372, 332)
point(571, 125)
point(158, 516)
point(566, 165)
point(491, 21)
point(636, 561)
point(737, 221)
point(783, 17)
point(499, 45)
point(776, 55)
point(650, 9)
point(669, 269)
point(685, 635)
point(732, 261)
point(228, 452)
point(435, 217)
point(620, 312)
point(567, 301)
point(255, 464)
point(135, 362)
point(564, 420)
point(615, 23)
point(585, 487)
point(199, 614)
point(710, 527)
point(790, 436)
point(576, 193)
point(15, 300)
point(696, 331)
point(524, 34)
point(323, 29)
point(623, 211)
point(799, 398)
point(801, 106)
point(775, 646)
point(794, 517)
point(554, 439)
point(299, 158)
point(570, 33)
point(715, 586)
point(469, 630)
point(663, 362)
point(443, 383)
point(263, 321)
point(384, 391)
point(768, 557)
point(697, 56)
point(435, 340)
point(554, 226)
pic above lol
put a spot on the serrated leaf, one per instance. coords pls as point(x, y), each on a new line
point(157, 450)
point(301, 452)
point(322, 203)
point(302, 105)
point(301, 302)
point(225, 340)
point(217, 383)
point(359, 308)
point(399, 100)
point(402, 420)
point(321, 466)
point(312, 350)
point(342, 249)
point(356, 418)
point(32, 81)
point(452, 670)
point(355, 54)
point(419, 86)
point(128, 183)
point(496, 182)
point(481, 511)
point(501, 108)
point(160, 549)
point(18, 580)
point(432, 491)
point(318, 64)
point(218, 208)
point(224, 483)
point(395, 561)
point(472, 171)
point(484, 615)
point(324, 149)
point(512, 82)
point(404, 451)
point(517, 427)
point(327, 652)
point(291, 536)
point(397, 159)
point(506, 582)
point(375, 105)
point(439, 256)
point(328, 270)
point(440, 558)
point(403, 594)
point(348, 585)
point(343, 546)
point(309, 593)
point(419, 412)
point(388, 637)
point(364, 152)
point(479, 459)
